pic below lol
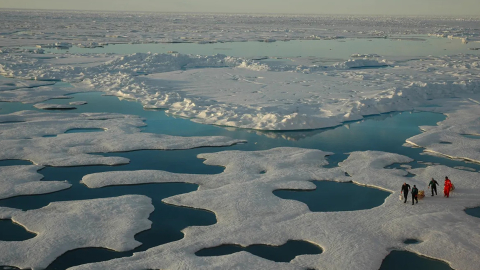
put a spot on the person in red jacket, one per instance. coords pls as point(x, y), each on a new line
point(447, 186)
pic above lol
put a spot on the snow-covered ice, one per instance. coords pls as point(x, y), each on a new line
point(248, 94)
point(24, 180)
point(447, 138)
point(77, 103)
point(248, 213)
point(38, 94)
point(47, 106)
point(62, 226)
point(21, 138)
point(11, 84)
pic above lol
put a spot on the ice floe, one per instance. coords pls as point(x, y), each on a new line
point(11, 84)
point(77, 103)
point(38, 94)
point(447, 138)
point(24, 180)
point(47, 106)
point(62, 226)
point(248, 213)
point(21, 138)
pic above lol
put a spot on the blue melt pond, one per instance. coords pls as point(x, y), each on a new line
point(334, 196)
point(283, 253)
point(10, 231)
point(84, 130)
point(475, 212)
point(400, 260)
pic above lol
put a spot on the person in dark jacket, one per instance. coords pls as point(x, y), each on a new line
point(405, 189)
point(414, 194)
point(433, 185)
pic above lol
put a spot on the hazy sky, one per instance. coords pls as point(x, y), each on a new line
point(388, 7)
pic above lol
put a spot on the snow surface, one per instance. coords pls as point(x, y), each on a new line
point(248, 213)
point(24, 180)
point(62, 226)
point(21, 138)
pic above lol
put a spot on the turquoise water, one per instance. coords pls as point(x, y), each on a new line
point(328, 50)
point(283, 253)
point(333, 197)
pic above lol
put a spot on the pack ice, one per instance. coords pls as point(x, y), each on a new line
point(248, 213)
point(22, 136)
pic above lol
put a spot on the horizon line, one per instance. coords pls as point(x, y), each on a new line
point(243, 13)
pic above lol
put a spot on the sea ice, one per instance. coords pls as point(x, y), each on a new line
point(249, 94)
point(248, 213)
point(41, 27)
point(77, 103)
point(24, 180)
point(38, 94)
point(62, 226)
point(447, 137)
point(22, 138)
point(12, 84)
point(47, 106)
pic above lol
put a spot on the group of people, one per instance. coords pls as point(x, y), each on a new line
point(432, 185)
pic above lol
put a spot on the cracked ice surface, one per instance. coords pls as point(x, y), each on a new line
point(62, 226)
point(248, 213)
point(24, 180)
point(21, 138)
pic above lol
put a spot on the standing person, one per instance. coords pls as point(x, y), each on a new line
point(404, 190)
point(433, 185)
point(414, 194)
point(446, 187)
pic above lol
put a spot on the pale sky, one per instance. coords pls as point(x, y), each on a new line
point(377, 7)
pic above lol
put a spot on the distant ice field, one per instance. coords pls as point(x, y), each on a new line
point(182, 131)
